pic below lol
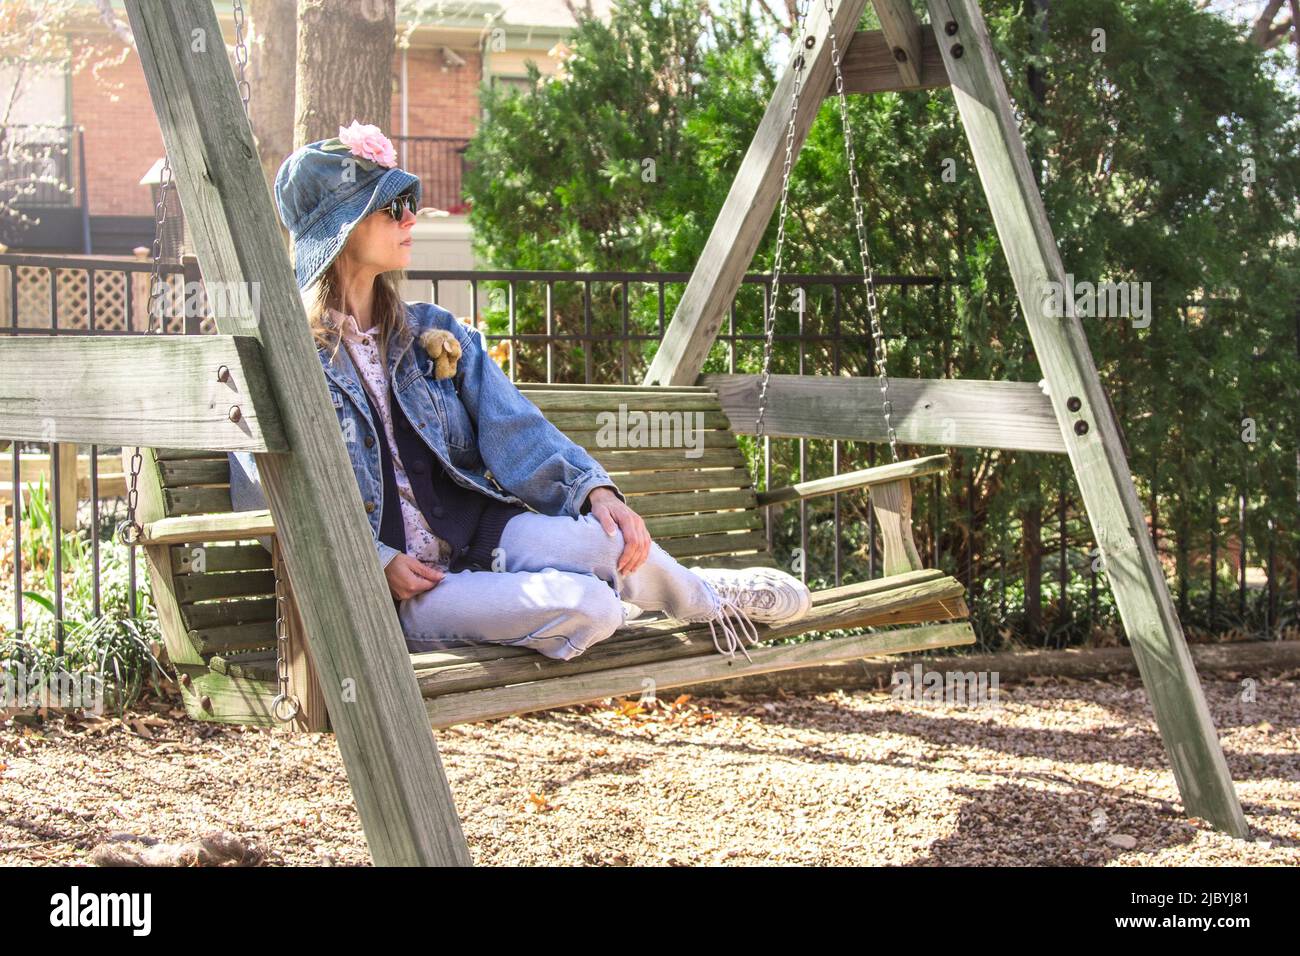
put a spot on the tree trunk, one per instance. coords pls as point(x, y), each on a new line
point(272, 59)
point(345, 66)
point(1032, 544)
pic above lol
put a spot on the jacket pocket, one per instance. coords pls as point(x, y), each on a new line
point(455, 422)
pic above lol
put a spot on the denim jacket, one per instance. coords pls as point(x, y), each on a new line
point(486, 433)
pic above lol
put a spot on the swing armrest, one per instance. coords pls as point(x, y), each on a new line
point(852, 480)
point(230, 526)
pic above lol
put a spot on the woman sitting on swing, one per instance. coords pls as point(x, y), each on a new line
point(464, 557)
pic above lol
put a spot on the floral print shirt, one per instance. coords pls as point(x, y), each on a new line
point(363, 347)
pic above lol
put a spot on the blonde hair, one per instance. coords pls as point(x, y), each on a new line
point(388, 311)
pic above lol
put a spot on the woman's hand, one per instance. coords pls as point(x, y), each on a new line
point(613, 515)
point(408, 576)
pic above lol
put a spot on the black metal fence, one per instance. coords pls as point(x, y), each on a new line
point(603, 327)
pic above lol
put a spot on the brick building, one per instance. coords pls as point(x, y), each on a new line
point(113, 140)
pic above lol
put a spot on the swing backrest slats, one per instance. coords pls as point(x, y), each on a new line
point(697, 500)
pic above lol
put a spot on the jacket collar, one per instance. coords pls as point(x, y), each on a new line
point(343, 371)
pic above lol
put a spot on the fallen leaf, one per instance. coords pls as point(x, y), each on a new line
point(537, 803)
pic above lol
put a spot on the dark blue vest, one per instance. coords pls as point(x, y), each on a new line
point(468, 520)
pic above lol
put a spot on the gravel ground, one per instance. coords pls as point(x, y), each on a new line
point(1059, 772)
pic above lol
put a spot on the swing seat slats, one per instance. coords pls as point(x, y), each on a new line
point(214, 585)
point(883, 602)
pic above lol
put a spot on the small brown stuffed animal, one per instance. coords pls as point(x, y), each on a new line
point(443, 349)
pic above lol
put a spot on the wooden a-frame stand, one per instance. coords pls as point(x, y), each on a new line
point(955, 50)
point(369, 686)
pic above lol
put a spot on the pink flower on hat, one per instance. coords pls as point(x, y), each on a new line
point(368, 143)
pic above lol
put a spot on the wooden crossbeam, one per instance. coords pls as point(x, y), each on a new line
point(156, 390)
point(1087, 423)
point(871, 65)
point(374, 704)
point(950, 413)
point(902, 31)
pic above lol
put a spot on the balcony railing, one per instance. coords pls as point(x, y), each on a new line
point(439, 161)
point(39, 165)
point(43, 187)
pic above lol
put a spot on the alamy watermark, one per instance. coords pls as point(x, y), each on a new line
point(58, 689)
point(641, 429)
point(1098, 300)
point(963, 688)
point(76, 908)
point(240, 301)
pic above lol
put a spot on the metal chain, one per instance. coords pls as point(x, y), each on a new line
point(241, 55)
point(868, 274)
point(769, 317)
point(285, 706)
point(129, 532)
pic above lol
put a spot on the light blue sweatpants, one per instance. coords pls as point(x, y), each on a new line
point(557, 591)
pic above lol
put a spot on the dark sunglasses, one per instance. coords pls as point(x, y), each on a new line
point(406, 200)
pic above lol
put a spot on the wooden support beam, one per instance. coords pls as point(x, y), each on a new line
point(870, 66)
point(893, 504)
point(748, 208)
point(902, 33)
point(1088, 426)
point(374, 704)
point(65, 468)
point(950, 413)
point(159, 391)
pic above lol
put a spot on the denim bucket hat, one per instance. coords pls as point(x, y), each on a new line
point(323, 190)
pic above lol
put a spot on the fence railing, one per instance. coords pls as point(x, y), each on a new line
point(604, 327)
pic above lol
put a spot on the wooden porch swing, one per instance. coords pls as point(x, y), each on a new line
point(227, 621)
point(216, 592)
point(256, 387)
